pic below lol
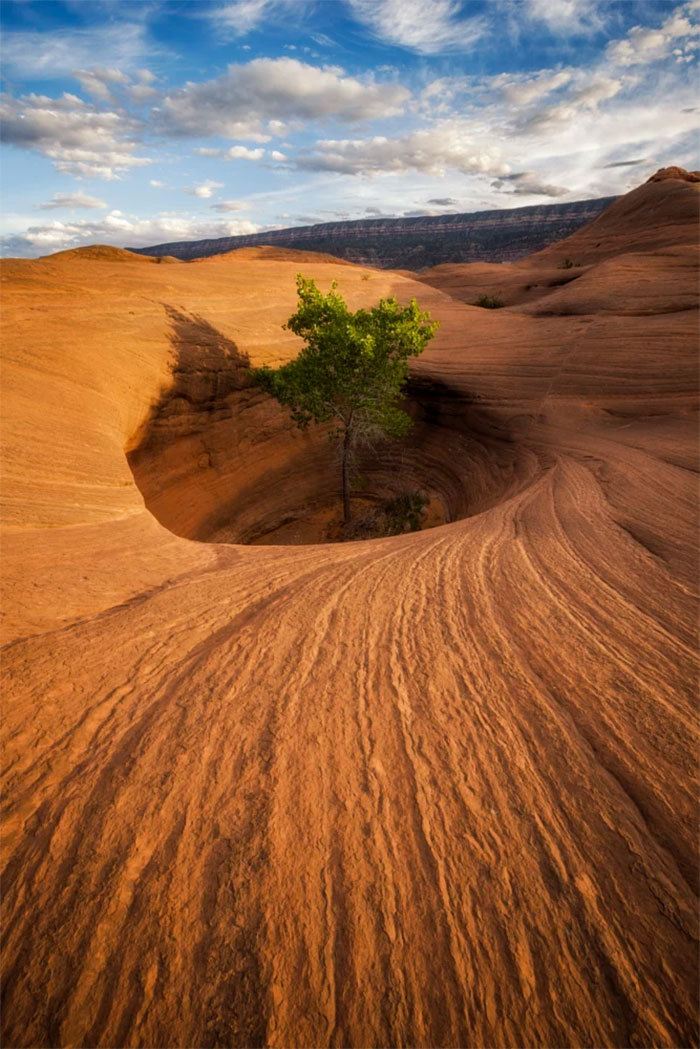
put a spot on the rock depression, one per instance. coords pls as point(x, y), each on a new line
point(437, 789)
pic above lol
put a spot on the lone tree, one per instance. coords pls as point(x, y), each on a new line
point(352, 369)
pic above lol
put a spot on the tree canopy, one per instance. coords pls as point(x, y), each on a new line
point(352, 369)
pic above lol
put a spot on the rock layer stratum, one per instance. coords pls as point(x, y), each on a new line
point(430, 790)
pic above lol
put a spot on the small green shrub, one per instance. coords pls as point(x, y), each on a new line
point(402, 513)
point(567, 264)
point(489, 302)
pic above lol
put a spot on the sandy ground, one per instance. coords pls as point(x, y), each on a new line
point(433, 790)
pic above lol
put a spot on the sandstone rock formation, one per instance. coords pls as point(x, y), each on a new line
point(437, 789)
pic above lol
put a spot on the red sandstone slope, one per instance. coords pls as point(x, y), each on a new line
point(430, 790)
point(658, 218)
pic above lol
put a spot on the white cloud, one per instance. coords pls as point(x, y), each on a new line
point(99, 82)
point(590, 91)
point(644, 45)
point(276, 155)
point(322, 40)
point(567, 17)
point(241, 17)
point(522, 90)
point(206, 189)
point(205, 151)
point(226, 206)
point(238, 103)
point(78, 137)
point(32, 53)
point(156, 183)
point(71, 200)
point(112, 86)
point(121, 231)
point(425, 26)
point(447, 145)
point(140, 94)
point(243, 153)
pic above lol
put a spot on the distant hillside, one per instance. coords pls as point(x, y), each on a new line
point(415, 243)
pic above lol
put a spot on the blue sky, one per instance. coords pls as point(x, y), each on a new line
point(132, 122)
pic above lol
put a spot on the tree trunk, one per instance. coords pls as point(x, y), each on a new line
point(346, 476)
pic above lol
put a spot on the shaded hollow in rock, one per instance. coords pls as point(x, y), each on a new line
point(221, 461)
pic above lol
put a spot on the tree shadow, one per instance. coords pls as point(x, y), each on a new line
point(209, 365)
point(208, 369)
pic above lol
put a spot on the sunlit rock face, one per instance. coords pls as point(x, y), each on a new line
point(434, 789)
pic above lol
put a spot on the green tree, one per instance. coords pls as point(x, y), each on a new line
point(352, 369)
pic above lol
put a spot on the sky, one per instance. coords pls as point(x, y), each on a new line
point(131, 122)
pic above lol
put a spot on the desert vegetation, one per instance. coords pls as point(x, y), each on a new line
point(351, 371)
point(489, 302)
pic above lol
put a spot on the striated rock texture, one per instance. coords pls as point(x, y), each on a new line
point(414, 243)
point(432, 790)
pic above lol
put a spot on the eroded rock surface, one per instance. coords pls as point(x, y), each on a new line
point(430, 790)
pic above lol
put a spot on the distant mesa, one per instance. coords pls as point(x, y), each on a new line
point(414, 243)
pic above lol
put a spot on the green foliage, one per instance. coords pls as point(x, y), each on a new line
point(567, 264)
point(354, 365)
point(489, 302)
point(352, 369)
point(402, 513)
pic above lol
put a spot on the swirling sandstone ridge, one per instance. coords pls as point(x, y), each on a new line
point(434, 790)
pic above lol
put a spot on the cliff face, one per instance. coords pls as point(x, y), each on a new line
point(415, 243)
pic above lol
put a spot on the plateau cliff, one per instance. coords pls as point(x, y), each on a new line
point(415, 243)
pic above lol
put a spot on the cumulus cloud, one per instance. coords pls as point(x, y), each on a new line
point(644, 45)
point(243, 153)
point(276, 155)
point(443, 202)
point(71, 200)
point(125, 231)
point(99, 83)
point(238, 103)
point(426, 26)
point(431, 151)
point(79, 137)
point(205, 189)
point(140, 94)
point(116, 88)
